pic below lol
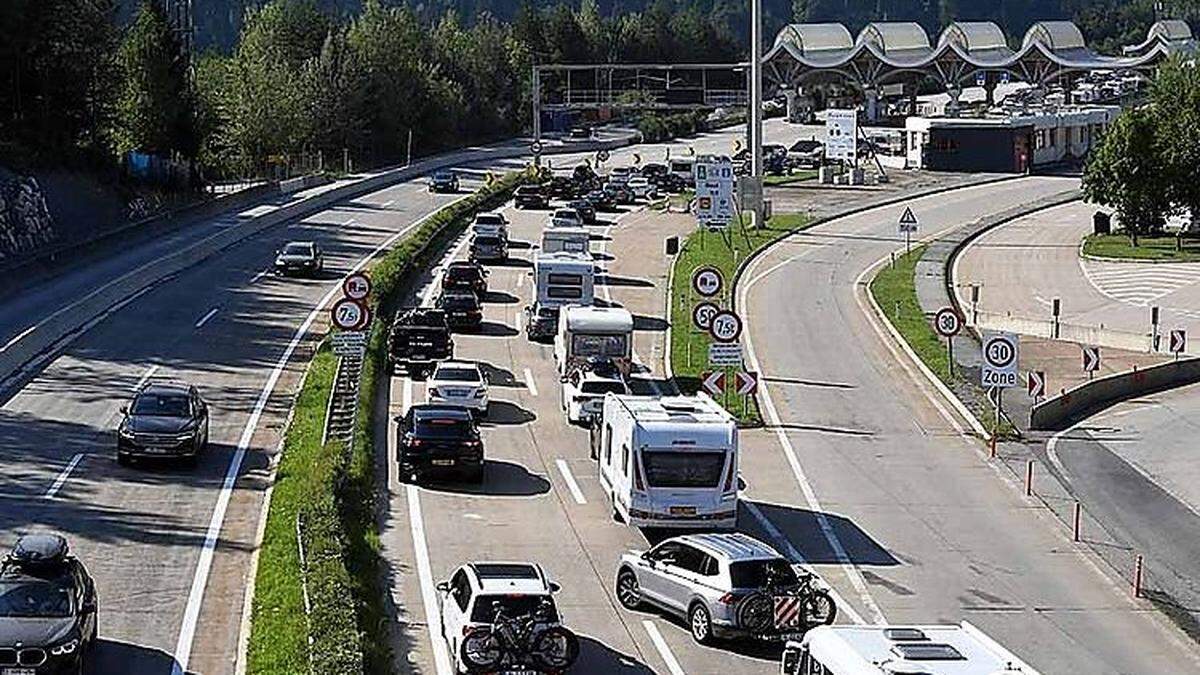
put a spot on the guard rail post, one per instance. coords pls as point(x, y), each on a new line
point(1137, 575)
point(1029, 478)
point(1077, 522)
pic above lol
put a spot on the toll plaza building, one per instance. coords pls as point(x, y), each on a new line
point(1008, 143)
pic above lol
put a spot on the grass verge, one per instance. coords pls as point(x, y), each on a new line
point(788, 179)
point(1149, 249)
point(726, 251)
point(332, 490)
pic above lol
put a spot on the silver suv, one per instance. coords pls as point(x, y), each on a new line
point(726, 585)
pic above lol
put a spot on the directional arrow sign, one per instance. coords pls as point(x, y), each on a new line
point(1036, 384)
point(1091, 359)
point(1178, 341)
point(908, 220)
point(747, 383)
point(713, 381)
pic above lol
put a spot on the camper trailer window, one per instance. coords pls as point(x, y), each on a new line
point(565, 279)
point(565, 292)
point(599, 345)
point(670, 469)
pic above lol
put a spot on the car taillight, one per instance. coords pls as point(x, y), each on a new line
point(729, 476)
point(433, 391)
point(415, 442)
point(467, 630)
point(727, 599)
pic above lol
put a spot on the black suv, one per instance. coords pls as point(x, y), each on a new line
point(418, 339)
point(461, 308)
point(530, 197)
point(299, 257)
point(47, 609)
point(437, 438)
point(444, 181)
point(465, 276)
point(163, 421)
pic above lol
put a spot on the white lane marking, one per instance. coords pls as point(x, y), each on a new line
point(519, 321)
point(349, 222)
point(663, 650)
point(191, 615)
point(570, 480)
point(204, 319)
point(62, 476)
point(520, 280)
point(387, 204)
point(17, 338)
point(259, 275)
point(529, 383)
point(792, 552)
point(146, 377)
point(433, 613)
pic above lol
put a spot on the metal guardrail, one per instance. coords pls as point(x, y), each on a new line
point(342, 409)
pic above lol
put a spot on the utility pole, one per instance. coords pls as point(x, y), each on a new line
point(754, 119)
point(537, 116)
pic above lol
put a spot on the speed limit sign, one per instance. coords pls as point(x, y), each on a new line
point(703, 313)
point(350, 314)
point(725, 327)
point(999, 360)
point(357, 286)
point(947, 322)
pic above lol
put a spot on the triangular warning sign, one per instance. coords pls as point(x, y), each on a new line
point(908, 217)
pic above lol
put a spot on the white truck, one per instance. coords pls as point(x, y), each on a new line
point(568, 239)
point(892, 650)
point(593, 334)
point(559, 279)
point(669, 462)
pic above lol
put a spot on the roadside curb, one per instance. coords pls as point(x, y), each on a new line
point(1131, 261)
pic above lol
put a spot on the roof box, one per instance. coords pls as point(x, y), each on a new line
point(39, 550)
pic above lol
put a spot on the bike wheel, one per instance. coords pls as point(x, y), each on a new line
point(480, 651)
point(819, 609)
point(756, 613)
point(555, 648)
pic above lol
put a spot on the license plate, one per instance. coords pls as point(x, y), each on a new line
point(443, 462)
point(18, 671)
point(520, 672)
point(152, 451)
point(683, 510)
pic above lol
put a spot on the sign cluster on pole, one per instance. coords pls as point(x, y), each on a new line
point(351, 316)
point(714, 191)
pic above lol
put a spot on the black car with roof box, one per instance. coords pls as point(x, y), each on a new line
point(299, 257)
point(442, 439)
point(419, 338)
point(164, 421)
point(462, 309)
point(443, 181)
point(48, 609)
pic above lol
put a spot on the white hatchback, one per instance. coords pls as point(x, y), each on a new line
point(459, 383)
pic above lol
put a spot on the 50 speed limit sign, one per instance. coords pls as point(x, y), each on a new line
point(725, 326)
point(703, 313)
point(350, 315)
point(999, 360)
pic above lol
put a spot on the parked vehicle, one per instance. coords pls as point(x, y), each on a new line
point(683, 168)
point(585, 209)
point(443, 181)
point(579, 133)
point(618, 193)
point(566, 239)
point(588, 334)
point(600, 199)
point(561, 187)
point(653, 170)
point(299, 257)
point(164, 421)
point(540, 322)
point(48, 609)
point(500, 617)
point(437, 439)
point(672, 183)
point(726, 585)
point(566, 218)
point(584, 387)
point(419, 338)
point(465, 276)
point(670, 462)
point(886, 650)
point(461, 308)
point(806, 154)
point(459, 383)
point(488, 247)
point(530, 197)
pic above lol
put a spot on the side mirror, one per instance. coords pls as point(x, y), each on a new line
point(554, 587)
point(443, 586)
point(125, 409)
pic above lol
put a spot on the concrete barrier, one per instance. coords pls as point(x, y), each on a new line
point(303, 183)
point(1089, 398)
point(29, 353)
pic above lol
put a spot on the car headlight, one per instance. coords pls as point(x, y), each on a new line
point(124, 431)
point(186, 434)
point(433, 391)
point(65, 648)
point(279, 262)
point(479, 393)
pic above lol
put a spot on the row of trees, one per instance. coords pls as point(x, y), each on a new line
point(1148, 166)
point(301, 81)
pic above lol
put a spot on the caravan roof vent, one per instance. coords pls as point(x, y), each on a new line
point(904, 634)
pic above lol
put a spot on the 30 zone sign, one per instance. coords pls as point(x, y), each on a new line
point(999, 360)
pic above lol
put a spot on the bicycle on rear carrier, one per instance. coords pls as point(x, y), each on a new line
point(529, 644)
point(787, 609)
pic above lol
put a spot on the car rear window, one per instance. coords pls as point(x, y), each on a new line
point(762, 573)
point(457, 374)
point(489, 219)
point(462, 273)
point(602, 387)
point(512, 606)
point(687, 469)
point(441, 427)
point(487, 241)
point(460, 302)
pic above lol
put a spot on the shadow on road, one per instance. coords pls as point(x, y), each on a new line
point(504, 413)
point(597, 657)
point(112, 656)
point(500, 298)
point(613, 280)
point(650, 323)
point(500, 479)
point(802, 528)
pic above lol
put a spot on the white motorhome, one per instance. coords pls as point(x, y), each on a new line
point(569, 239)
point(683, 167)
point(564, 279)
point(896, 650)
point(586, 333)
point(669, 461)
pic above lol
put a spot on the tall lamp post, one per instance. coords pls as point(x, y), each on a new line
point(755, 118)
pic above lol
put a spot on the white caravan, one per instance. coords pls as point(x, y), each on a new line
point(892, 650)
point(564, 279)
point(594, 333)
point(669, 461)
point(568, 239)
point(683, 167)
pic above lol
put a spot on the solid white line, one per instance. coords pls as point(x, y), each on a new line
point(520, 280)
point(433, 614)
point(529, 383)
point(663, 650)
point(191, 616)
point(63, 475)
point(570, 480)
point(146, 377)
point(17, 338)
point(204, 319)
point(348, 222)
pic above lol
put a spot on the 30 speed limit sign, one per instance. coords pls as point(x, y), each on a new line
point(350, 315)
point(947, 322)
point(999, 360)
point(725, 327)
point(357, 286)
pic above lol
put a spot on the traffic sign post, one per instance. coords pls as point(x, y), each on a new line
point(1000, 358)
point(712, 381)
point(707, 281)
point(948, 323)
point(357, 286)
point(1178, 342)
point(1091, 360)
point(907, 225)
point(349, 314)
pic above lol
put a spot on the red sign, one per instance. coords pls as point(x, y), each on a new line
point(1036, 384)
point(713, 381)
point(349, 314)
point(357, 286)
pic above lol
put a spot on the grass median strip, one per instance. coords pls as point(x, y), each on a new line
point(1149, 249)
point(725, 251)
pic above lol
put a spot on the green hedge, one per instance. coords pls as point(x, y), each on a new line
point(656, 128)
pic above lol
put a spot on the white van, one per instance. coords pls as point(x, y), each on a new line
point(887, 650)
point(669, 461)
point(568, 239)
point(564, 279)
point(593, 333)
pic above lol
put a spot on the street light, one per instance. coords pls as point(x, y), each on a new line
point(754, 119)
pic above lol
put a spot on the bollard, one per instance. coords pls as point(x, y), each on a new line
point(1029, 478)
point(992, 447)
point(1137, 576)
point(1078, 519)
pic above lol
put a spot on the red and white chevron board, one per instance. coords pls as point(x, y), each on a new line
point(789, 611)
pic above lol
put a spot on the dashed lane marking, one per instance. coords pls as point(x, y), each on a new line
point(663, 649)
point(569, 478)
point(529, 383)
point(63, 475)
point(205, 319)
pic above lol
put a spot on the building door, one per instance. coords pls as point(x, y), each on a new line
point(1021, 146)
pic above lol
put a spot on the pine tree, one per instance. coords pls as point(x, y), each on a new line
point(153, 111)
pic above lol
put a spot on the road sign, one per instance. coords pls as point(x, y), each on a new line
point(713, 381)
point(1036, 384)
point(707, 281)
point(714, 180)
point(703, 313)
point(602, 156)
point(841, 135)
point(999, 360)
point(1178, 342)
point(1091, 359)
point(746, 383)
point(908, 221)
point(357, 286)
point(725, 327)
point(980, 79)
point(350, 314)
point(725, 355)
point(947, 322)
point(349, 343)
point(536, 147)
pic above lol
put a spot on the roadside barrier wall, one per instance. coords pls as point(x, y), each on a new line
point(1082, 401)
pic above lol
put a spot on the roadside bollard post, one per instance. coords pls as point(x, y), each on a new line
point(1137, 576)
point(893, 262)
point(1077, 522)
point(992, 447)
point(1029, 478)
point(897, 309)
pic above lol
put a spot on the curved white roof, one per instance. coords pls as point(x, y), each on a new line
point(890, 38)
point(816, 37)
point(972, 36)
point(1170, 29)
point(1055, 35)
